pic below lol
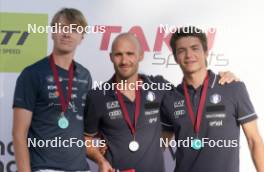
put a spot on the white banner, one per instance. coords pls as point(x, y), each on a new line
point(236, 46)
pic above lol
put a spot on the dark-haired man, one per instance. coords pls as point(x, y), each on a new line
point(206, 117)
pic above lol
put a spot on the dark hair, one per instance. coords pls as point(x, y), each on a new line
point(185, 32)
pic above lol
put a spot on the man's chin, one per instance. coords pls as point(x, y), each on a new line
point(190, 71)
point(125, 76)
point(65, 51)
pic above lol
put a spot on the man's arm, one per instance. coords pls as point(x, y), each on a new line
point(95, 155)
point(166, 135)
point(255, 144)
point(21, 123)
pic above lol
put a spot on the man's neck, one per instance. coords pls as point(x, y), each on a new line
point(63, 60)
point(195, 79)
point(129, 80)
point(130, 94)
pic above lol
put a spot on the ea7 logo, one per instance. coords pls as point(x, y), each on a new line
point(112, 105)
point(178, 104)
point(9, 34)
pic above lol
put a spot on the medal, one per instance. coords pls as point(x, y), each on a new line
point(196, 143)
point(133, 145)
point(63, 122)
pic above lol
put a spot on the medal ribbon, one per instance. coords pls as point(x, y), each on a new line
point(196, 123)
point(64, 104)
point(120, 99)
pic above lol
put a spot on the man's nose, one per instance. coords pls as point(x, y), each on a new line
point(124, 58)
point(188, 54)
point(66, 34)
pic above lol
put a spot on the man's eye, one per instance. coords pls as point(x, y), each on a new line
point(195, 48)
point(180, 51)
point(130, 53)
point(118, 54)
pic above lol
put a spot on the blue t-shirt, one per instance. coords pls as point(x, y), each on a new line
point(227, 107)
point(50, 146)
point(105, 116)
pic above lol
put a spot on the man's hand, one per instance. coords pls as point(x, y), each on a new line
point(96, 154)
point(103, 149)
point(166, 135)
point(104, 166)
point(227, 77)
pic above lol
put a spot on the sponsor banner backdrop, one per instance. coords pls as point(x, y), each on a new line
point(19, 47)
point(235, 45)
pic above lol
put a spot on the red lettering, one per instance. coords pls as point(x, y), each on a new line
point(160, 38)
point(141, 37)
point(107, 34)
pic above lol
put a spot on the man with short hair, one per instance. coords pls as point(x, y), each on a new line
point(48, 104)
point(207, 116)
point(127, 118)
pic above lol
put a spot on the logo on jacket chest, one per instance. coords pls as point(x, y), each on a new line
point(112, 105)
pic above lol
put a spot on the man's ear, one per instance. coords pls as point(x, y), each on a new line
point(206, 54)
point(81, 39)
point(175, 58)
point(141, 55)
point(52, 36)
point(111, 56)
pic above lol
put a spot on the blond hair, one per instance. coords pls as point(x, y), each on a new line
point(72, 15)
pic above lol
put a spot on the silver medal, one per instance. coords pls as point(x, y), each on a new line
point(133, 146)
